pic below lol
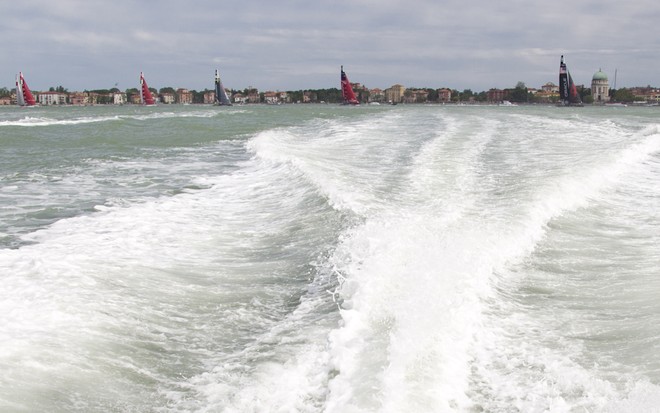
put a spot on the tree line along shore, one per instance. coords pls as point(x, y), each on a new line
point(396, 94)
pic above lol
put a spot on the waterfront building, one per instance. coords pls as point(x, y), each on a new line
point(92, 98)
point(395, 93)
point(309, 96)
point(184, 96)
point(135, 98)
point(600, 88)
point(444, 95)
point(283, 97)
point(118, 98)
point(415, 96)
point(550, 88)
point(79, 98)
point(376, 95)
point(240, 98)
point(167, 98)
point(209, 97)
point(253, 95)
point(646, 94)
point(271, 97)
point(52, 98)
point(496, 95)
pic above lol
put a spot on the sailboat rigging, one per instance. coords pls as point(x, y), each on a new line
point(24, 96)
point(221, 98)
point(145, 94)
point(568, 94)
point(347, 93)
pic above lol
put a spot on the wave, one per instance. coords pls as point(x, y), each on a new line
point(354, 164)
point(359, 263)
point(34, 121)
point(416, 287)
point(29, 121)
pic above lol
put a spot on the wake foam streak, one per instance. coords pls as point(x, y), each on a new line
point(414, 284)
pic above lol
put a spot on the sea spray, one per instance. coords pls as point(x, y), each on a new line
point(319, 258)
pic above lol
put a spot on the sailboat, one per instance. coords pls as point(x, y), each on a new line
point(24, 96)
point(221, 98)
point(145, 94)
point(568, 94)
point(347, 93)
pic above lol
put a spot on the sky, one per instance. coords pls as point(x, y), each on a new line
point(301, 44)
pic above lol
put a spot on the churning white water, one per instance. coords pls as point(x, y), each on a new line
point(330, 259)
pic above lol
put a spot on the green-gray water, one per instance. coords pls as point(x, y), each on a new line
point(319, 258)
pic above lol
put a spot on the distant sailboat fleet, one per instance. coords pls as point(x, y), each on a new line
point(25, 98)
point(568, 93)
point(221, 97)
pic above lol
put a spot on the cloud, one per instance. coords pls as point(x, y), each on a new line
point(293, 44)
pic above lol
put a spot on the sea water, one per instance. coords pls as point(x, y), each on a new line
point(318, 258)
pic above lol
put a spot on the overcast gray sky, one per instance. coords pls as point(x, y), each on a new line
point(299, 44)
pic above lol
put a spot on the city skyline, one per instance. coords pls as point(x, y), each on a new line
point(293, 45)
point(585, 84)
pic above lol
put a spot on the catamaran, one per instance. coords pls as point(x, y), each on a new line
point(24, 96)
point(221, 98)
point(568, 94)
point(145, 94)
point(347, 93)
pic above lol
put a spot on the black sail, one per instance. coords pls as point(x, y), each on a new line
point(568, 93)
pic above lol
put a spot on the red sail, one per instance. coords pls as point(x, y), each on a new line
point(27, 94)
point(347, 91)
point(147, 98)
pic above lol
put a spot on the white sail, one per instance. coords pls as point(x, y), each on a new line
point(20, 100)
point(221, 97)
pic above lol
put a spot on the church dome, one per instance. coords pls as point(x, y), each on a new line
point(599, 75)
